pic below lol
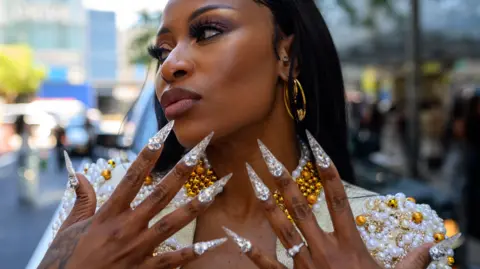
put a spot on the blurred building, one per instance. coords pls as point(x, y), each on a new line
point(54, 29)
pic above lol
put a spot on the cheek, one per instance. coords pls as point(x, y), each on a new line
point(241, 76)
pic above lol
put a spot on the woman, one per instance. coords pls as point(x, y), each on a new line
point(237, 68)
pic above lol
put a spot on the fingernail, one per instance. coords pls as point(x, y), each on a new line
point(320, 155)
point(202, 247)
point(72, 177)
point(274, 166)
point(191, 158)
point(207, 195)
point(261, 191)
point(244, 244)
point(155, 143)
point(441, 250)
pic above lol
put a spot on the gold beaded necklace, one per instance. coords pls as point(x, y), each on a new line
point(308, 182)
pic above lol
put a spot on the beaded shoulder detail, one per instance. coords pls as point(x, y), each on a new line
point(391, 226)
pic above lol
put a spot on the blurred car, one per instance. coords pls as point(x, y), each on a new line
point(80, 140)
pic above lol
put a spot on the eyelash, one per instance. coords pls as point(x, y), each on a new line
point(196, 30)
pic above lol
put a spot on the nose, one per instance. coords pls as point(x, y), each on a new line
point(177, 66)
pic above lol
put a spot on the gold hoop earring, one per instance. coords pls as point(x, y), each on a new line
point(297, 87)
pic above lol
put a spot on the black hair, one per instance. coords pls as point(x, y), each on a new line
point(320, 75)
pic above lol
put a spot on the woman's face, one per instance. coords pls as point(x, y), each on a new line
point(219, 71)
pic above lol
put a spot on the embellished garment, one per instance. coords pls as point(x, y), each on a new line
point(391, 226)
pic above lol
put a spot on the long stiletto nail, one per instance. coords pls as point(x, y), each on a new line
point(320, 155)
point(155, 143)
point(441, 250)
point(191, 158)
point(274, 166)
point(207, 195)
point(202, 247)
point(244, 244)
point(261, 190)
point(72, 177)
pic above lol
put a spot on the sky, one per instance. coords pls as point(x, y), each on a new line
point(126, 10)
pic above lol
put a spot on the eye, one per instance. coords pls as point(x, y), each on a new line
point(208, 33)
point(207, 29)
point(158, 53)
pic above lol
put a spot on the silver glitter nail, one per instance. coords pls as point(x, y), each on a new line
point(208, 194)
point(202, 247)
point(440, 251)
point(274, 166)
point(192, 157)
point(155, 143)
point(261, 191)
point(320, 155)
point(244, 244)
point(72, 177)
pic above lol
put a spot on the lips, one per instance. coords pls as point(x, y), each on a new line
point(178, 101)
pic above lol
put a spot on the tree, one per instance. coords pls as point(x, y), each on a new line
point(18, 73)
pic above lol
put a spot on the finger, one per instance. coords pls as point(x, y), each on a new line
point(173, 222)
point(254, 253)
point(295, 202)
point(181, 257)
point(85, 203)
point(170, 185)
point(133, 180)
point(284, 228)
point(335, 195)
point(419, 258)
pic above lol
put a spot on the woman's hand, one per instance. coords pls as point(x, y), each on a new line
point(342, 248)
point(119, 237)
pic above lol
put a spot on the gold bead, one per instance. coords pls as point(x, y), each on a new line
point(450, 260)
point(315, 179)
point(309, 191)
point(289, 218)
point(312, 199)
point(188, 185)
point(438, 237)
point(417, 217)
point(306, 185)
point(310, 181)
point(411, 199)
point(306, 175)
point(200, 170)
point(196, 181)
point(111, 163)
point(202, 185)
point(214, 178)
point(210, 183)
point(280, 199)
point(360, 220)
point(209, 172)
point(107, 174)
point(312, 187)
point(302, 188)
point(309, 165)
point(191, 194)
point(318, 185)
point(148, 180)
point(192, 174)
point(275, 195)
point(206, 181)
point(300, 181)
point(318, 191)
point(305, 194)
point(202, 177)
point(392, 203)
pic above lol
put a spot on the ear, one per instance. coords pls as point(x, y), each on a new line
point(285, 61)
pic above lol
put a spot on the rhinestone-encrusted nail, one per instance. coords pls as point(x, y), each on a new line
point(320, 156)
point(192, 157)
point(261, 191)
point(207, 195)
point(440, 250)
point(244, 244)
point(155, 143)
point(274, 166)
point(72, 177)
point(202, 247)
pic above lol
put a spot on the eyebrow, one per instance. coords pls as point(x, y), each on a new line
point(197, 13)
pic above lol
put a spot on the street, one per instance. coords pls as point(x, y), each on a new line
point(22, 226)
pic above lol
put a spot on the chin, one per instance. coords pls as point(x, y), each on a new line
point(189, 133)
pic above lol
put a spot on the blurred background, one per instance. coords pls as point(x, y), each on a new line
point(72, 74)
